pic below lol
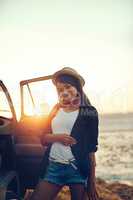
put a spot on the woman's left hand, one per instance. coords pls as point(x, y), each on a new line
point(92, 191)
point(91, 182)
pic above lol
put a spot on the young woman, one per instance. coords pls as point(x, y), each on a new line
point(71, 137)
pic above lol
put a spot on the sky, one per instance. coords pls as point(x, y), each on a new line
point(38, 37)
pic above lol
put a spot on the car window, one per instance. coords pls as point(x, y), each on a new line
point(39, 97)
point(5, 110)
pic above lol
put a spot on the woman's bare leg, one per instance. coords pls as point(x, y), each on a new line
point(45, 191)
point(77, 191)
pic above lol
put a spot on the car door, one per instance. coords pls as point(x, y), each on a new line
point(7, 124)
point(38, 96)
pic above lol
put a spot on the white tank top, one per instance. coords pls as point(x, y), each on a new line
point(62, 123)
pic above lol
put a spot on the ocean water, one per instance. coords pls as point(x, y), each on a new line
point(115, 151)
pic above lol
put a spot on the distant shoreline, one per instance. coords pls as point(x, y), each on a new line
point(129, 114)
point(116, 122)
point(113, 131)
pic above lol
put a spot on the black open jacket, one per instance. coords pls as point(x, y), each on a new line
point(85, 131)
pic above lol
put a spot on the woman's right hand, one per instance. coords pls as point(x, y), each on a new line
point(62, 138)
point(65, 139)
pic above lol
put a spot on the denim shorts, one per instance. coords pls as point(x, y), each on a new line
point(63, 174)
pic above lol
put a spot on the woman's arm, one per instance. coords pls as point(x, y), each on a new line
point(91, 185)
point(92, 164)
point(61, 138)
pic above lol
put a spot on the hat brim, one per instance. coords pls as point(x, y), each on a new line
point(71, 73)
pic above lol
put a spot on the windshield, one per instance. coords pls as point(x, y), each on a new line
point(5, 110)
point(39, 97)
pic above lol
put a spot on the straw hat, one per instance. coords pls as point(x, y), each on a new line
point(68, 71)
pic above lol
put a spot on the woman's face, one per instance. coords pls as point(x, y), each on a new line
point(67, 94)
